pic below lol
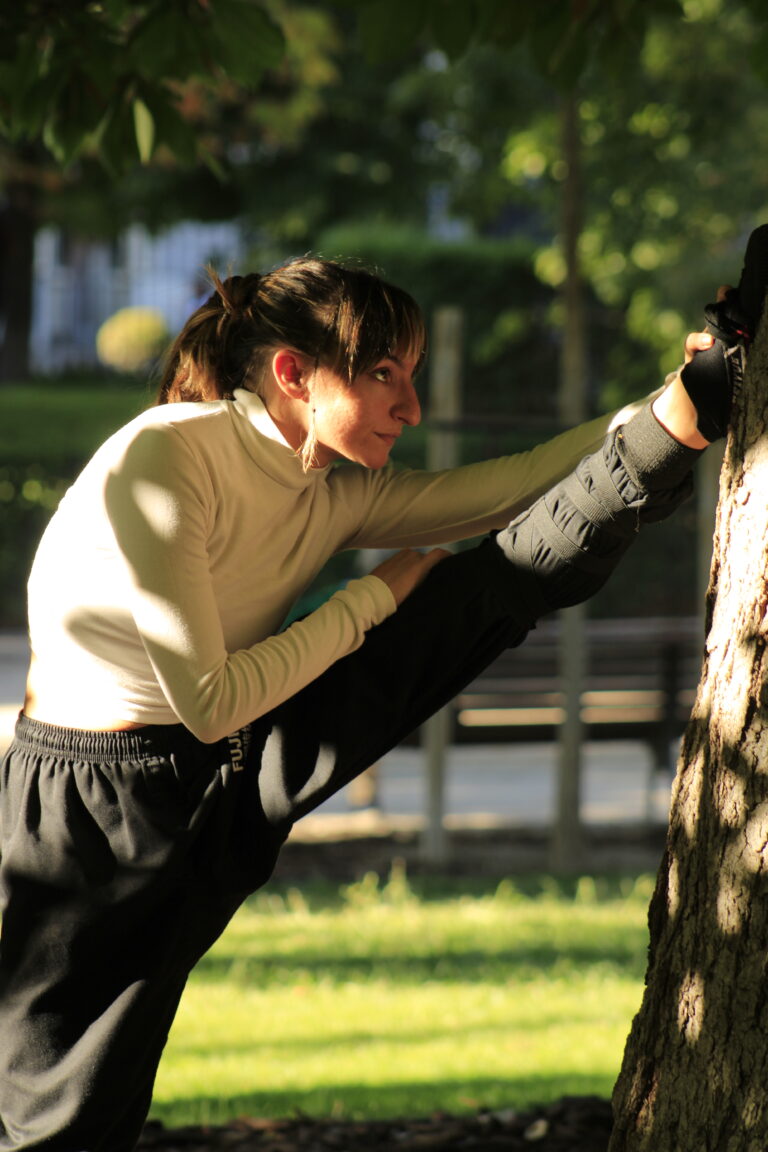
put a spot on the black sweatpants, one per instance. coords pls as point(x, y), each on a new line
point(125, 854)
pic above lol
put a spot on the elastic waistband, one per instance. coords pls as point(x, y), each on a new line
point(152, 740)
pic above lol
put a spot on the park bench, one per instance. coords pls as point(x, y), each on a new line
point(640, 680)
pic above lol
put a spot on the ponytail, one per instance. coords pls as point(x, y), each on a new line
point(211, 355)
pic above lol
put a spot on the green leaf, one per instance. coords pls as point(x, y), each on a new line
point(62, 140)
point(72, 116)
point(115, 136)
point(213, 165)
point(167, 43)
point(89, 46)
point(171, 129)
point(29, 108)
point(247, 41)
point(118, 140)
point(27, 91)
point(144, 125)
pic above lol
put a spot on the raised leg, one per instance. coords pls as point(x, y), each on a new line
point(470, 607)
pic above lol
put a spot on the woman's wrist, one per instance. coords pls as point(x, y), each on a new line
point(677, 414)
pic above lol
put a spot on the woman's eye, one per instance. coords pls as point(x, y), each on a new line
point(382, 374)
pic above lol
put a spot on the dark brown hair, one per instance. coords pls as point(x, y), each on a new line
point(344, 318)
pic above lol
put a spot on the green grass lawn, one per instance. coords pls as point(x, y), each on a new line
point(43, 420)
point(378, 1002)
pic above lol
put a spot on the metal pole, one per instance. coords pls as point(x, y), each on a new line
point(442, 452)
point(567, 834)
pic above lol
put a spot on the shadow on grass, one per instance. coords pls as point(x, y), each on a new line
point(625, 958)
point(370, 1102)
point(323, 895)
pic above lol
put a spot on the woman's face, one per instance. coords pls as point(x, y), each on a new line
point(361, 421)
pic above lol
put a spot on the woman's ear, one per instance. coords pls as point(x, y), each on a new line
point(291, 371)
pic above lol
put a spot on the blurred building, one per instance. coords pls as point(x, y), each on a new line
point(80, 283)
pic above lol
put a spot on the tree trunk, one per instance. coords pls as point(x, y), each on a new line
point(572, 388)
point(695, 1069)
point(18, 223)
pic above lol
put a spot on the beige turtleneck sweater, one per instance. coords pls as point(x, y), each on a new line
point(160, 584)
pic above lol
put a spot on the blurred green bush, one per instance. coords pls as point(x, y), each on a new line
point(512, 321)
point(510, 346)
point(48, 430)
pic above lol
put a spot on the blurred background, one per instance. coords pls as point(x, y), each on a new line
point(577, 193)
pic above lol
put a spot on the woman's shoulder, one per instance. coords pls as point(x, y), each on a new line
point(178, 415)
point(161, 422)
point(156, 441)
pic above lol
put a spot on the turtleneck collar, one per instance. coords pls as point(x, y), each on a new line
point(272, 451)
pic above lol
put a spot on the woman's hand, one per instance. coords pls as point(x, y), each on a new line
point(674, 408)
point(405, 570)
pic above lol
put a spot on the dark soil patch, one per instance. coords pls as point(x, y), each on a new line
point(578, 1124)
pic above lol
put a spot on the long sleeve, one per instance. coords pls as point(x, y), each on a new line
point(412, 508)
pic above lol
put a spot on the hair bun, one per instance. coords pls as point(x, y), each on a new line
point(234, 294)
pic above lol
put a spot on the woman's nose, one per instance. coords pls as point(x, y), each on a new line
point(408, 405)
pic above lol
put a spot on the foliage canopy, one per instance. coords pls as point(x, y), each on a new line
point(109, 75)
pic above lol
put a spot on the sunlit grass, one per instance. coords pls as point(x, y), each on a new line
point(383, 1003)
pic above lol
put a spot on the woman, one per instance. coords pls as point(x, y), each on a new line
point(172, 734)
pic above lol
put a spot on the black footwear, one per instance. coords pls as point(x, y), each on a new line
point(713, 376)
point(734, 320)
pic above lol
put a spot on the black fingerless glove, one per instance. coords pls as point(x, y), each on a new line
point(711, 380)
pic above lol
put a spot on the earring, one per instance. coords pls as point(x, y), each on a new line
point(309, 445)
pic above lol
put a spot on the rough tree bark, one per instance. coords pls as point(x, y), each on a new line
point(695, 1071)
